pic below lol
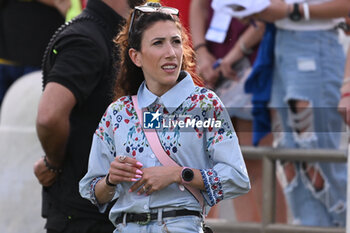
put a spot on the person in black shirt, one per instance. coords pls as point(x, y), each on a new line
point(25, 30)
point(78, 78)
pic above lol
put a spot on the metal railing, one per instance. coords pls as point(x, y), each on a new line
point(269, 157)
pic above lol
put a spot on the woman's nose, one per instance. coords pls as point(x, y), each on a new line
point(170, 51)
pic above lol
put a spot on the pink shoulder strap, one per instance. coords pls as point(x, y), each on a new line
point(158, 150)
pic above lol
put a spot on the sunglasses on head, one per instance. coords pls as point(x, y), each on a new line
point(140, 10)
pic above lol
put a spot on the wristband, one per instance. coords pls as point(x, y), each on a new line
point(109, 183)
point(195, 48)
point(306, 11)
point(345, 94)
point(50, 167)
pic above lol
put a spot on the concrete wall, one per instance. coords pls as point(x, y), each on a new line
point(20, 192)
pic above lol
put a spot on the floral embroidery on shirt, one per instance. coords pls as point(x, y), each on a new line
point(103, 131)
point(201, 106)
point(225, 131)
point(206, 105)
point(135, 141)
point(123, 114)
point(212, 185)
point(170, 140)
point(214, 150)
point(92, 190)
point(219, 136)
point(169, 137)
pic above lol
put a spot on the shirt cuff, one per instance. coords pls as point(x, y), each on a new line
point(92, 190)
point(213, 186)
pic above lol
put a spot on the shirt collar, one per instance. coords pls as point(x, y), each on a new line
point(171, 99)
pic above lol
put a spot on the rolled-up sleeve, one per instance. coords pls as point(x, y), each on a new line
point(228, 178)
point(102, 153)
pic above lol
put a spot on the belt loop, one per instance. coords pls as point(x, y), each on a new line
point(124, 219)
point(160, 216)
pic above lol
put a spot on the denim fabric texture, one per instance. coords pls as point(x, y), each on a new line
point(309, 66)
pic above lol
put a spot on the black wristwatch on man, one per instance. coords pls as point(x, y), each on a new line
point(295, 15)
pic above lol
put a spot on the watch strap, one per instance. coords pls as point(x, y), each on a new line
point(109, 183)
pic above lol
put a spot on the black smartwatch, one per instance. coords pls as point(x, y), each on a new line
point(295, 15)
point(187, 175)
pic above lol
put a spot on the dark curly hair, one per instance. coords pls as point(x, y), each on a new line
point(130, 76)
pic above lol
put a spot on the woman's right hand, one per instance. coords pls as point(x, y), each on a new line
point(124, 169)
point(156, 178)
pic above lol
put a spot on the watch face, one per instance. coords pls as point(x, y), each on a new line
point(187, 174)
point(295, 17)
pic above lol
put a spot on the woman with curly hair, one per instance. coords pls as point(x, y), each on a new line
point(190, 122)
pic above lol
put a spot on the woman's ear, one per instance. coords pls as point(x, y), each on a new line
point(135, 57)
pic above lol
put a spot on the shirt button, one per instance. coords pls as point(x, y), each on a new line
point(145, 207)
point(152, 156)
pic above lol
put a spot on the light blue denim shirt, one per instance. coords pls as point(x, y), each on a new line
point(213, 150)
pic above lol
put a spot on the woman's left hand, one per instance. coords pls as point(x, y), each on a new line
point(156, 178)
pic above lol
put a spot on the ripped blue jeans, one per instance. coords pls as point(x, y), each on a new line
point(309, 68)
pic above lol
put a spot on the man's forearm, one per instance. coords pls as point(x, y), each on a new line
point(52, 123)
point(328, 10)
point(53, 140)
point(278, 9)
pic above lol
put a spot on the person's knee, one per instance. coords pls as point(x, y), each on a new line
point(301, 121)
point(313, 173)
point(301, 116)
point(311, 170)
point(289, 171)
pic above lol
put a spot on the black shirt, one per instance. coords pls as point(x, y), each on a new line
point(25, 30)
point(80, 57)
